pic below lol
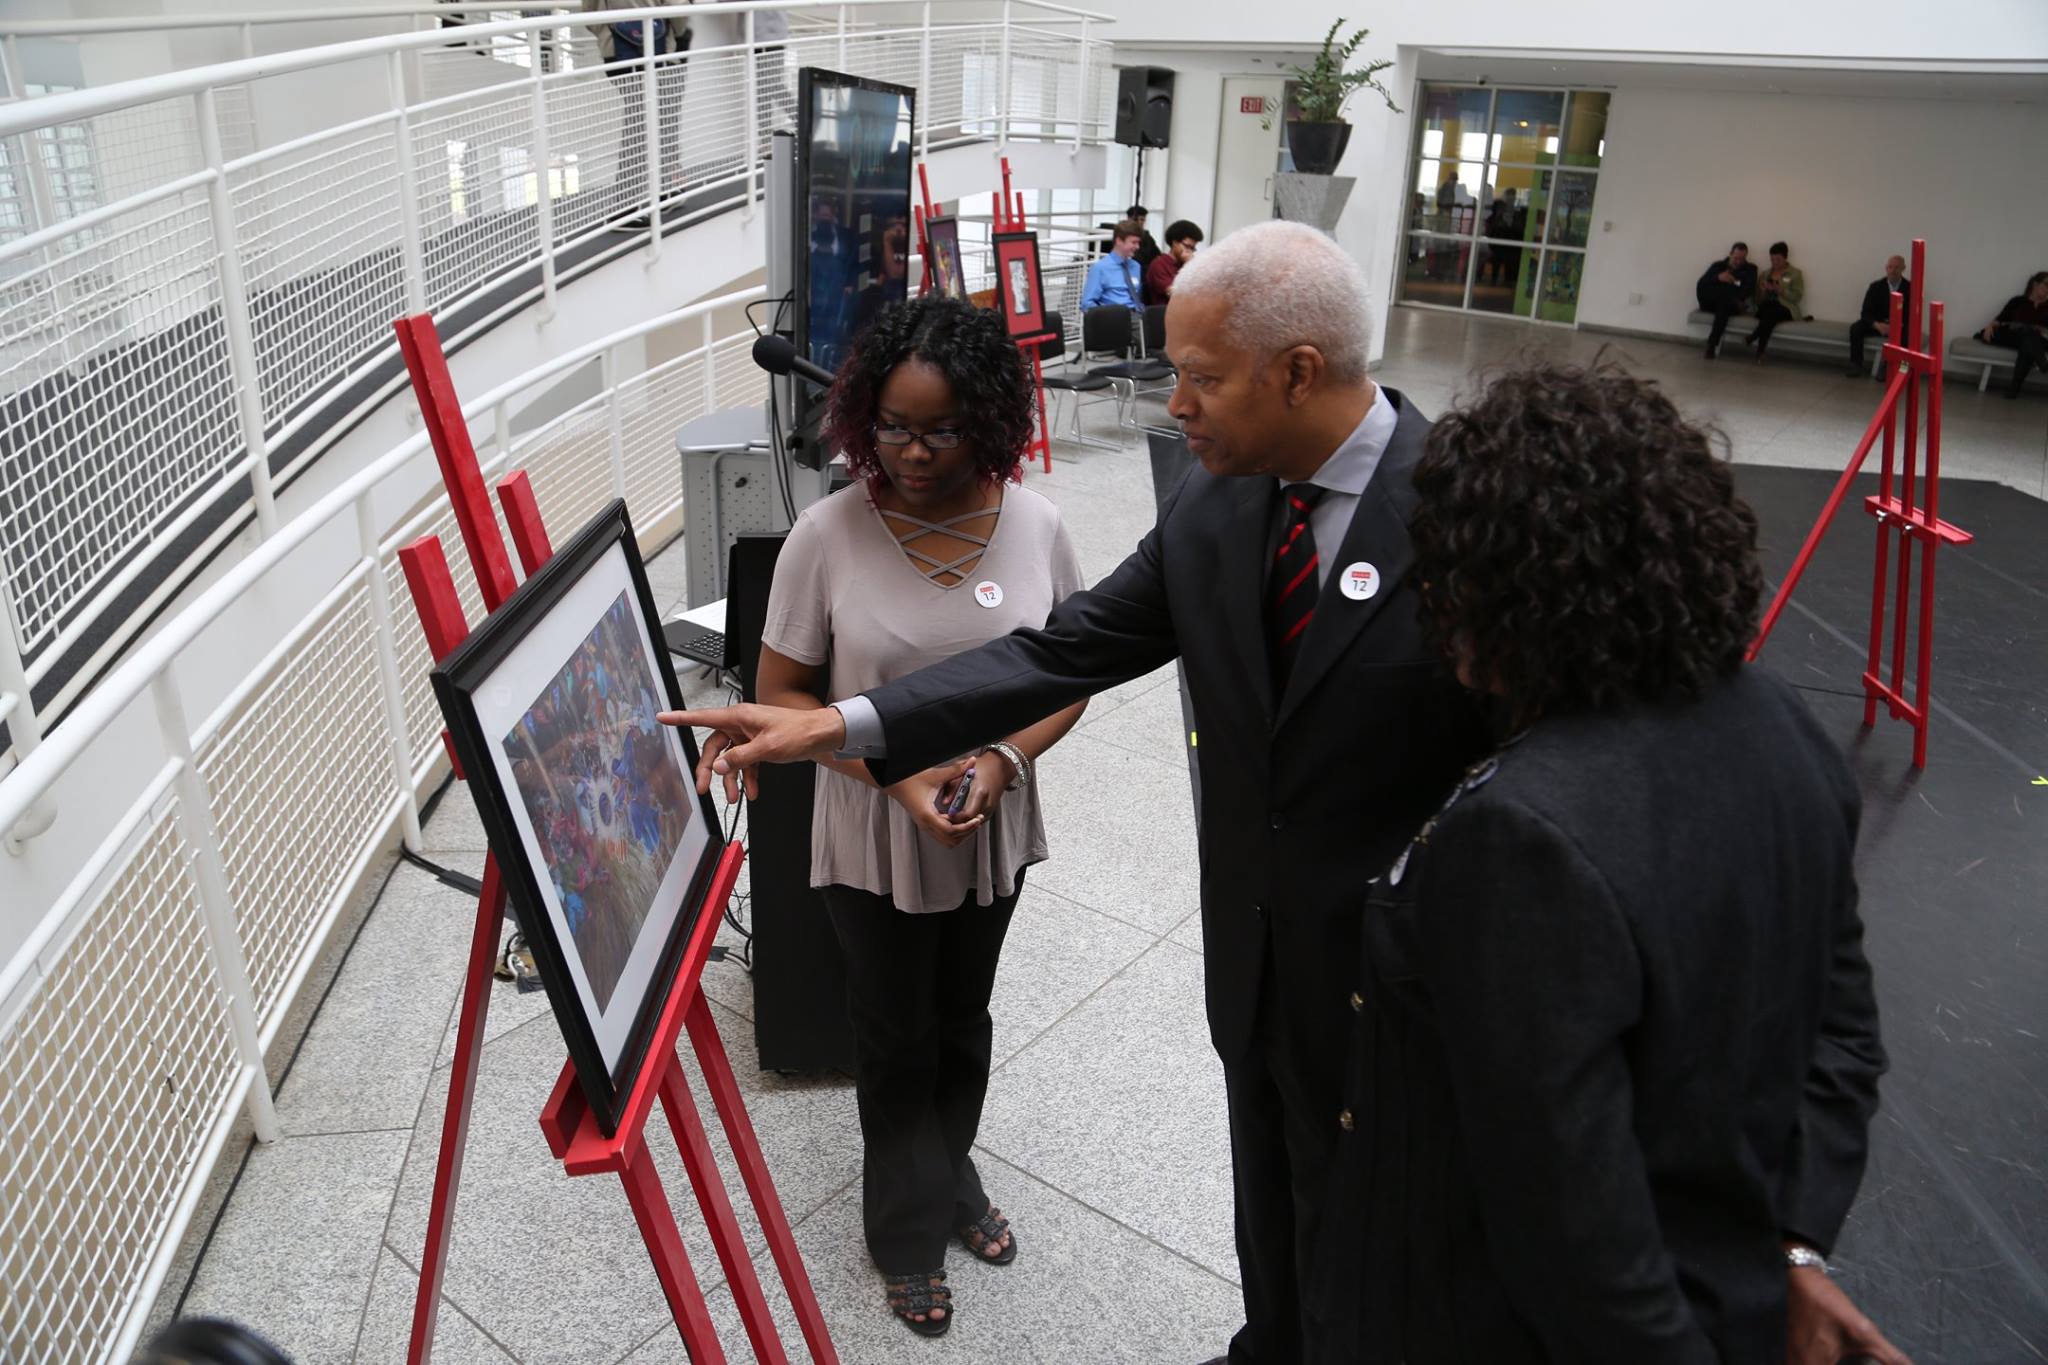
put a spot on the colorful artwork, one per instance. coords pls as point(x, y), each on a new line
point(603, 792)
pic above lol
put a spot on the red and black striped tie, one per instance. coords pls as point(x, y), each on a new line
point(1291, 582)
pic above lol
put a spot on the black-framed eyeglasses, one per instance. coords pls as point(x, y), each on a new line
point(942, 439)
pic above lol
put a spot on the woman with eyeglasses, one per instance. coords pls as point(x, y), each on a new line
point(934, 548)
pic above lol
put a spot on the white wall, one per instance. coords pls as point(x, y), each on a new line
point(1956, 30)
point(1844, 182)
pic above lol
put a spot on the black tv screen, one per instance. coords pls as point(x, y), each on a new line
point(853, 189)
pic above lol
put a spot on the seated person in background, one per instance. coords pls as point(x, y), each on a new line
point(1779, 296)
point(1876, 318)
point(1148, 249)
point(2023, 325)
point(1727, 287)
point(1617, 1050)
point(1181, 240)
point(1114, 281)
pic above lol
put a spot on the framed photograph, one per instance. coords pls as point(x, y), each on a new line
point(1018, 291)
point(942, 257)
point(588, 801)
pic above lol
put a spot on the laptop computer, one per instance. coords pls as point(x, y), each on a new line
point(749, 574)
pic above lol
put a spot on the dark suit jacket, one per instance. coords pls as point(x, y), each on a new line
point(1877, 301)
point(1304, 796)
point(1745, 279)
point(1618, 1037)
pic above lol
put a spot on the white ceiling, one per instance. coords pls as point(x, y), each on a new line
point(2021, 86)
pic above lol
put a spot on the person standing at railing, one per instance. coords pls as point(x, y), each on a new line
point(623, 47)
point(772, 97)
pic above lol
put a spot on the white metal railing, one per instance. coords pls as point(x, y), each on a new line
point(173, 350)
point(133, 1019)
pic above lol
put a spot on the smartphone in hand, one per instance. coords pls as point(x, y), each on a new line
point(951, 807)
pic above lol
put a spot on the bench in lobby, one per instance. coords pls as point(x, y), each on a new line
point(1813, 336)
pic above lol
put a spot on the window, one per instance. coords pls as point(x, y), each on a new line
point(1500, 204)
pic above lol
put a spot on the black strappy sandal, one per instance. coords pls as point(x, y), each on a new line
point(923, 1293)
point(983, 1233)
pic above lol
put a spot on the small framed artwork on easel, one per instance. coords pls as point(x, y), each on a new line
point(1019, 293)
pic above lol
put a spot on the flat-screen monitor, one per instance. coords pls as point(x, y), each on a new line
point(853, 189)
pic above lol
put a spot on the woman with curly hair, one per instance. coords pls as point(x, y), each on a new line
point(1617, 1046)
point(934, 548)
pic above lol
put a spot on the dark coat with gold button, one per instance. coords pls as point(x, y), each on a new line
point(1616, 1041)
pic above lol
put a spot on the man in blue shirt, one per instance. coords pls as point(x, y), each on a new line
point(1114, 281)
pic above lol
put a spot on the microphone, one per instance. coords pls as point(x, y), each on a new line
point(777, 355)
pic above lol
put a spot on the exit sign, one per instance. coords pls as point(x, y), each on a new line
point(1252, 104)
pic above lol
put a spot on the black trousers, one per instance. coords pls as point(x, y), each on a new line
point(2033, 351)
point(1724, 301)
point(1284, 1100)
point(1861, 331)
point(1768, 315)
point(917, 991)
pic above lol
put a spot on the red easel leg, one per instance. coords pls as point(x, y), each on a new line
point(688, 1126)
point(671, 1263)
point(469, 1042)
point(746, 1149)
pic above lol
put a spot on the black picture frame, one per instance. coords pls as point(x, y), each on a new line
point(1020, 292)
point(632, 999)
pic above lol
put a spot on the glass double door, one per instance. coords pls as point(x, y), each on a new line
point(1501, 199)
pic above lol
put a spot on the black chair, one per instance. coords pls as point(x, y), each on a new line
point(1053, 351)
point(1117, 331)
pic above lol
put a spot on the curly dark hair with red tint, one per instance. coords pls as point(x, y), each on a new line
point(1580, 545)
point(972, 348)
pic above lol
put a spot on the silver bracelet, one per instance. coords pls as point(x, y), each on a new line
point(1020, 765)
point(1806, 1258)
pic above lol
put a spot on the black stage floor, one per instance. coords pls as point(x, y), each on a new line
point(1947, 1247)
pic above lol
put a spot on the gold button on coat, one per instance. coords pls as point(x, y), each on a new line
point(1344, 1120)
point(1357, 1001)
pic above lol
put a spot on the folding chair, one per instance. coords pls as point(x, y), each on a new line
point(1053, 350)
point(1122, 332)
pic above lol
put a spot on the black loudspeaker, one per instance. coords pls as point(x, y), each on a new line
point(1144, 106)
point(799, 972)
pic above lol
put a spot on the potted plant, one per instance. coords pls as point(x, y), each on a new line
point(1319, 134)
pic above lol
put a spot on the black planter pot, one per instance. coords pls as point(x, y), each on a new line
point(1317, 147)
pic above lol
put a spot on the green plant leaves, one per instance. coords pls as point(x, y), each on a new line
point(1325, 86)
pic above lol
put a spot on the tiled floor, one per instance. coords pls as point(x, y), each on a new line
point(1104, 1134)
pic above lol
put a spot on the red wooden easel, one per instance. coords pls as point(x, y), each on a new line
point(571, 1130)
point(1903, 513)
point(1009, 217)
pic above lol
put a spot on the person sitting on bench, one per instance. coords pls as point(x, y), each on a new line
point(1726, 288)
point(2022, 325)
point(1876, 318)
point(1779, 295)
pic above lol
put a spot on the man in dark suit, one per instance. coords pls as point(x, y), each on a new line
point(1726, 287)
point(1875, 319)
point(1278, 574)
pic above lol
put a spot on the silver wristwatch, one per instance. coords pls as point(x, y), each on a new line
point(1020, 766)
point(1803, 1257)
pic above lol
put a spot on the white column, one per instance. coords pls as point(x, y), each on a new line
point(1003, 83)
point(388, 684)
point(751, 125)
point(710, 365)
point(1081, 113)
point(234, 311)
point(24, 730)
point(217, 911)
point(650, 114)
point(410, 233)
point(544, 211)
point(614, 421)
point(924, 82)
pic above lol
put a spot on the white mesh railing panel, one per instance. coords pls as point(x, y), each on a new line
point(652, 408)
point(423, 713)
point(299, 775)
point(571, 469)
point(319, 237)
point(116, 1070)
point(741, 383)
point(583, 127)
point(706, 142)
point(476, 217)
point(119, 402)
